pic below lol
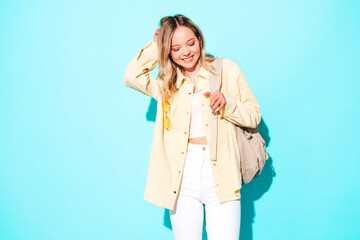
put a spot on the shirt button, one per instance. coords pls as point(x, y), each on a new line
point(214, 164)
point(189, 93)
point(175, 192)
point(185, 132)
point(206, 124)
point(182, 152)
point(179, 171)
point(217, 185)
point(203, 148)
point(199, 90)
point(202, 104)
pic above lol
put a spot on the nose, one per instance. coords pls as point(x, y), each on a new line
point(186, 51)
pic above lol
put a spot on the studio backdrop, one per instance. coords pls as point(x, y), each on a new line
point(75, 142)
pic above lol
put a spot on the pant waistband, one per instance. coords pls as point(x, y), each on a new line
point(202, 147)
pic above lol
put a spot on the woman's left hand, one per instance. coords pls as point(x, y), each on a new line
point(217, 100)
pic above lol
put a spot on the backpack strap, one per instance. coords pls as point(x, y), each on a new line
point(215, 83)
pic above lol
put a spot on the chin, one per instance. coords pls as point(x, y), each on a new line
point(188, 66)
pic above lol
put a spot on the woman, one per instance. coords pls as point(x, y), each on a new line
point(181, 176)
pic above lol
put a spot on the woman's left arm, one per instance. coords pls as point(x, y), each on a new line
point(241, 107)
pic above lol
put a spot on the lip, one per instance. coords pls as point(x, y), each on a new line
point(189, 59)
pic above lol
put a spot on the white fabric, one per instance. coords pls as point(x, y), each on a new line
point(196, 124)
point(198, 189)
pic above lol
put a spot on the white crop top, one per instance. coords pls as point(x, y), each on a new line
point(196, 122)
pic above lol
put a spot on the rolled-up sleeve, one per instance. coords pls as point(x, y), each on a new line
point(137, 72)
point(241, 106)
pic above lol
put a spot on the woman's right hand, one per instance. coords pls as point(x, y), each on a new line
point(156, 34)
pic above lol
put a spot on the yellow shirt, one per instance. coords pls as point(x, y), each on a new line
point(169, 147)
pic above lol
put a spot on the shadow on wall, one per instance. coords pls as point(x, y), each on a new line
point(151, 113)
point(250, 192)
point(254, 190)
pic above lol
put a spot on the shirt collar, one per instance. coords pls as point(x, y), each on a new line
point(180, 77)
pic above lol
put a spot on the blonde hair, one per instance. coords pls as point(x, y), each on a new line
point(167, 67)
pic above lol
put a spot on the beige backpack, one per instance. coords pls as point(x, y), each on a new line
point(251, 145)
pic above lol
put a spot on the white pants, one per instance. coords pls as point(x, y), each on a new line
point(197, 188)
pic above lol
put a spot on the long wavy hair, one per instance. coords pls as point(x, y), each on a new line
point(167, 67)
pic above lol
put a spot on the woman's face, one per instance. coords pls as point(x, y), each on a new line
point(185, 48)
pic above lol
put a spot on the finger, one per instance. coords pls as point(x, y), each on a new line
point(213, 100)
point(207, 94)
point(217, 104)
point(221, 106)
point(220, 96)
point(156, 34)
point(215, 95)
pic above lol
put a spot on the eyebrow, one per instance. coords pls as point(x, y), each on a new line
point(186, 41)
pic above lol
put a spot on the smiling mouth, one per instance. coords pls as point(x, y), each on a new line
point(187, 60)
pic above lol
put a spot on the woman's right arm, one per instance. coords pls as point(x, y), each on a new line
point(137, 72)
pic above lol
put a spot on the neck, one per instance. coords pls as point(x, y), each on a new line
point(190, 73)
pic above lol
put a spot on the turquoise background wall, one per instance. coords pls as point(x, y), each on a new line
point(75, 143)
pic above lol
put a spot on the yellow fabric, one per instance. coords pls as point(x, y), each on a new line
point(169, 145)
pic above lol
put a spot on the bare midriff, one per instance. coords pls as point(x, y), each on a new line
point(198, 140)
